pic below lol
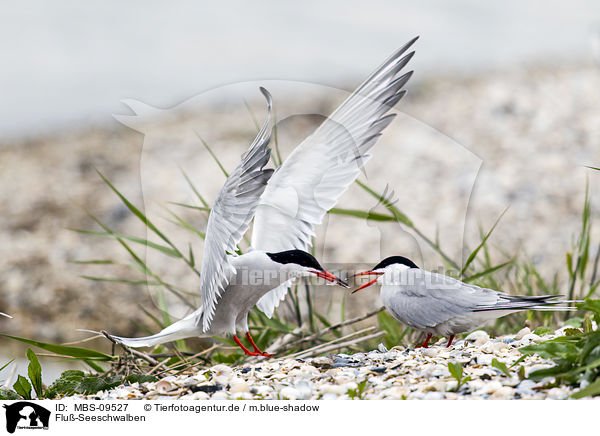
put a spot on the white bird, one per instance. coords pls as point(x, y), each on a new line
point(4, 314)
point(231, 285)
point(296, 198)
point(440, 305)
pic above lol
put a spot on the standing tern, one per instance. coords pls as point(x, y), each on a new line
point(440, 305)
point(296, 198)
point(231, 285)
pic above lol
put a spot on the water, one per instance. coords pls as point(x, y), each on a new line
point(64, 64)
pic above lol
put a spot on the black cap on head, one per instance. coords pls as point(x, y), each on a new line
point(393, 260)
point(298, 257)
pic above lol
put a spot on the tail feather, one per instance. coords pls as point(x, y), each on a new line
point(184, 328)
point(533, 302)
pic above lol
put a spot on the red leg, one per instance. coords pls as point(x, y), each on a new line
point(262, 353)
point(247, 352)
point(450, 339)
point(424, 345)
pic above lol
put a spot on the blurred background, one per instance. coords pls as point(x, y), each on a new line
point(502, 112)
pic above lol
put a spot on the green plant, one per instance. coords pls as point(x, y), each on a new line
point(358, 392)
point(576, 355)
point(501, 366)
point(456, 371)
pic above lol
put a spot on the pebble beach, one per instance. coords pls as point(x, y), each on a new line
point(382, 374)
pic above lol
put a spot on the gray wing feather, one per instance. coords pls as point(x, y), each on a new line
point(321, 168)
point(230, 217)
point(428, 299)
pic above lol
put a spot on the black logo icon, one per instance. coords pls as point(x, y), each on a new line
point(26, 415)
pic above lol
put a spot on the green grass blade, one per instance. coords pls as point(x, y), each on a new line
point(34, 371)
point(163, 249)
point(481, 244)
point(214, 156)
point(22, 387)
point(398, 215)
point(137, 212)
point(77, 353)
point(194, 190)
point(94, 262)
point(6, 364)
point(118, 280)
point(362, 214)
point(486, 272)
point(190, 206)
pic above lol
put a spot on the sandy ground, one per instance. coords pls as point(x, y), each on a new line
point(460, 152)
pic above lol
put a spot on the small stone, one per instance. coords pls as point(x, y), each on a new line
point(330, 396)
point(382, 348)
point(525, 388)
point(332, 389)
point(490, 387)
point(434, 396)
point(498, 346)
point(196, 396)
point(304, 390)
point(396, 392)
point(484, 359)
point(239, 386)
point(478, 337)
point(221, 395)
point(531, 337)
point(263, 389)
point(430, 352)
point(503, 393)
point(322, 362)
point(163, 386)
point(522, 333)
point(289, 393)
point(209, 389)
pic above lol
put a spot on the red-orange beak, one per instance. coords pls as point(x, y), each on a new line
point(367, 273)
point(330, 277)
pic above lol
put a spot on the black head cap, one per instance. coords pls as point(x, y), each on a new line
point(298, 257)
point(393, 260)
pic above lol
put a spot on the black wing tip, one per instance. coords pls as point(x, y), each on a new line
point(408, 45)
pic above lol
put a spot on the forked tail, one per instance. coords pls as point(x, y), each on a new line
point(538, 302)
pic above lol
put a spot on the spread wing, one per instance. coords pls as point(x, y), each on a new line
point(230, 217)
point(321, 168)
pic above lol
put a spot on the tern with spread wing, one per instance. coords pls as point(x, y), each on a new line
point(286, 206)
point(231, 285)
point(440, 305)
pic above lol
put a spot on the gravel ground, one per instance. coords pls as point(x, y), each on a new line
point(398, 373)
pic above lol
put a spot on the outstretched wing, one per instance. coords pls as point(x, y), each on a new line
point(321, 168)
point(230, 217)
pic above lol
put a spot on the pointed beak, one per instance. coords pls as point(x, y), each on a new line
point(330, 277)
point(369, 283)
